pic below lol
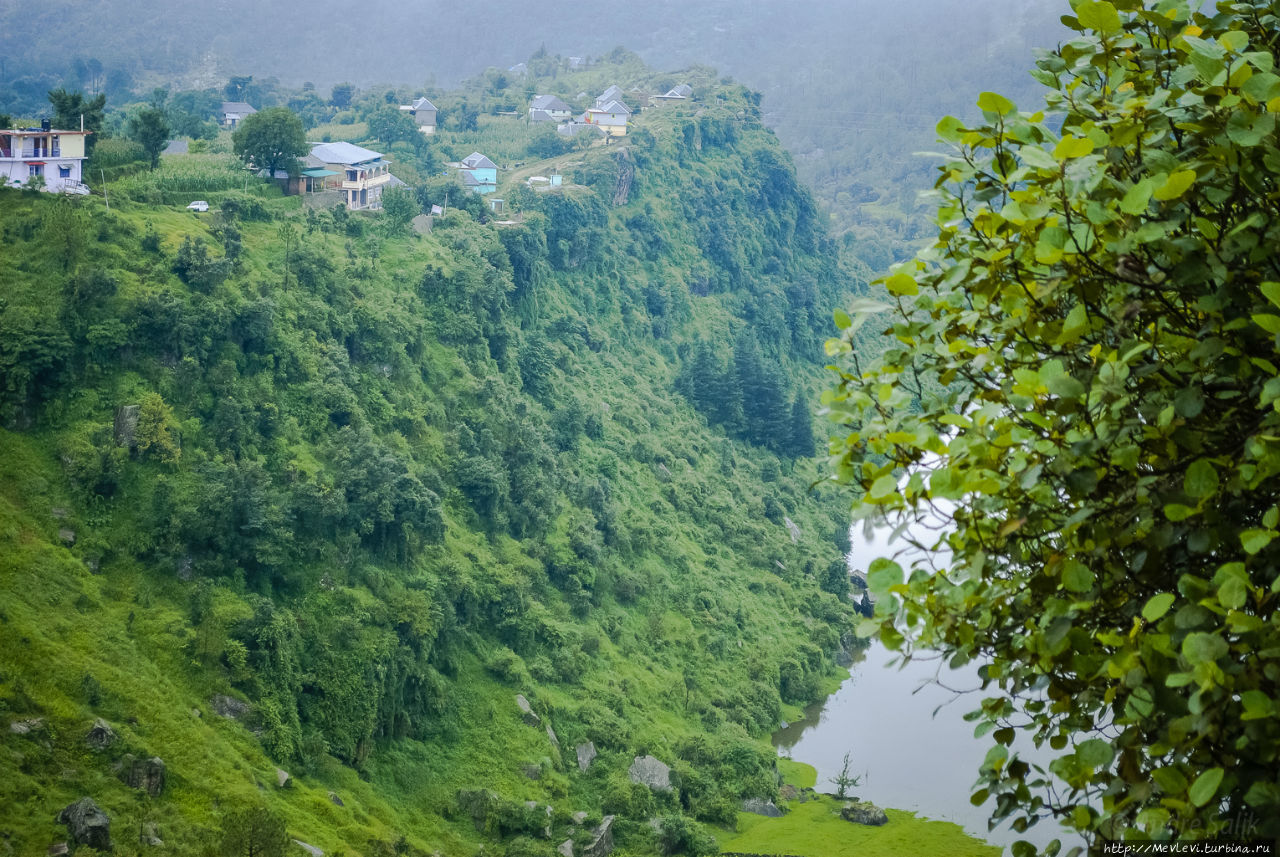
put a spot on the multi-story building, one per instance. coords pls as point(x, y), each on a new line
point(364, 172)
point(54, 155)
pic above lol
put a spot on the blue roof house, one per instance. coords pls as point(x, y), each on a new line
point(479, 173)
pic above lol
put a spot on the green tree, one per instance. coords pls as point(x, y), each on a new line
point(150, 129)
point(70, 107)
point(271, 139)
point(399, 207)
point(341, 95)
point(253, 832)
point(1085, 365)
point(800, 442)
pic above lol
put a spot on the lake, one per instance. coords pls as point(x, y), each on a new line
point(906, 733)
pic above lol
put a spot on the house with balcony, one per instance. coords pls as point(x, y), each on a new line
point(53, 155)
point(361, 174)
point(479, 173)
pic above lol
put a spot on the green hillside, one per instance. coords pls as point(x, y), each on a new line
point(356, 488)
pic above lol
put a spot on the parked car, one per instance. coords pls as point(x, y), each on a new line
point(198, 205)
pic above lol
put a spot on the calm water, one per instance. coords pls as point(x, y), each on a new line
point(905, 733)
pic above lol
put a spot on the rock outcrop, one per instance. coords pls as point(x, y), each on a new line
point(761, 806)
point(127, 425)
point(87, 824)
point(651, 772)
point(100, 735)
point(526, 711)
point(864, 812)
point(283, 780)
point(601, 839)
point(147, 775)
point(586, 754)
point(230, 707)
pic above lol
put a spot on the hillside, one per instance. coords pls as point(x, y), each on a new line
point(296, 490)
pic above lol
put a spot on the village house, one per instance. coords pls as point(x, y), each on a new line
point(479, 173)
point(675, 95)
point(362, 174)
point(613, 93)
point(612, 117)
point(423, 113)
point(232, 112)
point(53, 155)
point(548, 108)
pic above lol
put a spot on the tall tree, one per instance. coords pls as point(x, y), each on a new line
point(1084, 365)
point(800, 442)
point(150, 129)
point(70, 107)
point(271, 139)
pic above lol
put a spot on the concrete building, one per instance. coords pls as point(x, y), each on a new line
point(54, 155)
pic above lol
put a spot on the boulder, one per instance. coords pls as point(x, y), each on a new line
point(67, 536)
point(87, 824)
point(793, 528)
point(565, 849)
point(551, 736)
point(864, 812)
point(761, 806)
point(586, 754)
point(127, 425)
point(58, 849)
point(147, 774)
point(26, 727)
point(579, 817)
point(100, 736)
point(601, 839)
point(150, 835)
point(337, 801)
point(651, 772)
point(533, 772)
point(788, 792)
point(310, 849)
point(229, 707)
point(283, 780)
point(526, 711)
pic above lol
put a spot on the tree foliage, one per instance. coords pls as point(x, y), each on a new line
point(271, 139)
point(150, 129)
point(1081, 385)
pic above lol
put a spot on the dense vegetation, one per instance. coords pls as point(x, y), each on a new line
point(296, 488)
point(1084, 388)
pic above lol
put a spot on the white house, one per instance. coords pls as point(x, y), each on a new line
point(675, 95)
point(423, 113)
point(612, 117)
point(548, 108)
point(54, 155)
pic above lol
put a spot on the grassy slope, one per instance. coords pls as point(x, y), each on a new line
point(699, 571)
point(815, 829)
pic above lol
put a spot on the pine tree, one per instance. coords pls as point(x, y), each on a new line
point(800, 432)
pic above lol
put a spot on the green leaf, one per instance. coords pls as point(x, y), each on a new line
point(1255, 540)
point(1257, 705)
point(1072, 147)
point(883, 487)
point(1137, 197)
point(1247, 129)
point(1077, 577)
point(1178, 512)
point(1268, 322)
point(1201, 479)
point(1202, 648)
point(1205, 787)
point(1100, 17)
point(950, 129)
point(1175, 185)
point(1271, 291)
point(842, 319)
point(994, 102)
point(1157, 606)
point(883, 574)
point(1095, 752)
point(901, 284)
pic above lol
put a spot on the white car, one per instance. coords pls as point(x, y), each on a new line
point(198, 205)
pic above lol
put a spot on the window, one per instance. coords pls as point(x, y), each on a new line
point(64, 172)
point(35, 170)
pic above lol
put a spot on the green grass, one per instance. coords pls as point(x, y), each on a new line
point(798, 774)
point(815, 829)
